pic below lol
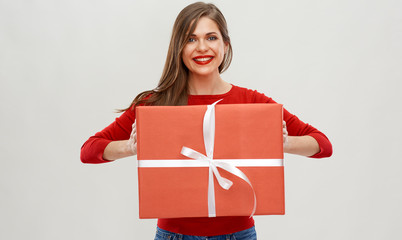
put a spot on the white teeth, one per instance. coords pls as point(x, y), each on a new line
point(202, 59)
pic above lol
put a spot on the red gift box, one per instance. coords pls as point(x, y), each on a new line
point(246, 138)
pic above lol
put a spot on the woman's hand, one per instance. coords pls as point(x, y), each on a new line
point(285, 134)
point(301, 145)
point(124, 148)
point(132, 142)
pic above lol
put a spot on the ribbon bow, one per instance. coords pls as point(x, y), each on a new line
point(209, 142)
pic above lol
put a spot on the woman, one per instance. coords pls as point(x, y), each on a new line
point(199, 51)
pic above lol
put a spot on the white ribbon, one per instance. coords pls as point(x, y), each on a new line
point(165, 163)
point(209, 137)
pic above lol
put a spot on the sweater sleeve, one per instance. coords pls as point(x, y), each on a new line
point(92, 150)
point(296, 127)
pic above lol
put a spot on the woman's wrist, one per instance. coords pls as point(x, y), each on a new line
point(301, 145)
point(118, 149)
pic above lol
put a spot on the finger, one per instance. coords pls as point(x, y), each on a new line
point(132, 133)
point(135, 149)
point(134, 130)
point(132, 146)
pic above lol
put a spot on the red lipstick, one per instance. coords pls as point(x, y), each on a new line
point(203, 60)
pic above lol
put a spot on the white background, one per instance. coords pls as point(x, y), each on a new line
point(66, 65)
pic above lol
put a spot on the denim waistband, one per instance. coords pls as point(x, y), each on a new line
point(248, 234)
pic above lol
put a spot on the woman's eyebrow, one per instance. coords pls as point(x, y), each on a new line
point(209, 33)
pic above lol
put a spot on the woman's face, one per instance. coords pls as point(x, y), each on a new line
point(205, 49)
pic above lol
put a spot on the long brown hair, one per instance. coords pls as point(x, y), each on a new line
point(172, 86)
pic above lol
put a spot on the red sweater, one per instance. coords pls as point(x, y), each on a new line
point(120, 129)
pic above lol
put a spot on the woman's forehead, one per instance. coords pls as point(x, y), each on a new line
point(205, 26)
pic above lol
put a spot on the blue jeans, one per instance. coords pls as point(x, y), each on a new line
point(248, 234)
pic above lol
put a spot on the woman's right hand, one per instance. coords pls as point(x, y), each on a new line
point(123, 148)
point(132, 142)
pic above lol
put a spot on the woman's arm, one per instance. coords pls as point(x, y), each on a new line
point(304, 139)
point(123, 148)
point(117, 149)
point(111, 143)
point(301, 145)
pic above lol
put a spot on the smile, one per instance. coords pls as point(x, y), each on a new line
point(202, 60)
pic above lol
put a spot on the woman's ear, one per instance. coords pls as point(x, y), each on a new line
point(226, 47)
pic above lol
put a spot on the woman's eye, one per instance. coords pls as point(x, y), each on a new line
point(191, 40)
point(212, 38)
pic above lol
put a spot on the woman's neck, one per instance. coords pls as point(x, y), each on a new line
point(207, 85)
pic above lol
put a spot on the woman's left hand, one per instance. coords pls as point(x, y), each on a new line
point(300, 145)
point(285, 134)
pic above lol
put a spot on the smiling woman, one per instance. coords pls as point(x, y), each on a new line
point(199, 51)
point(202, 55)
point(195, 24)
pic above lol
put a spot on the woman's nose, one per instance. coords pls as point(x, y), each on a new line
point(202, 46)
